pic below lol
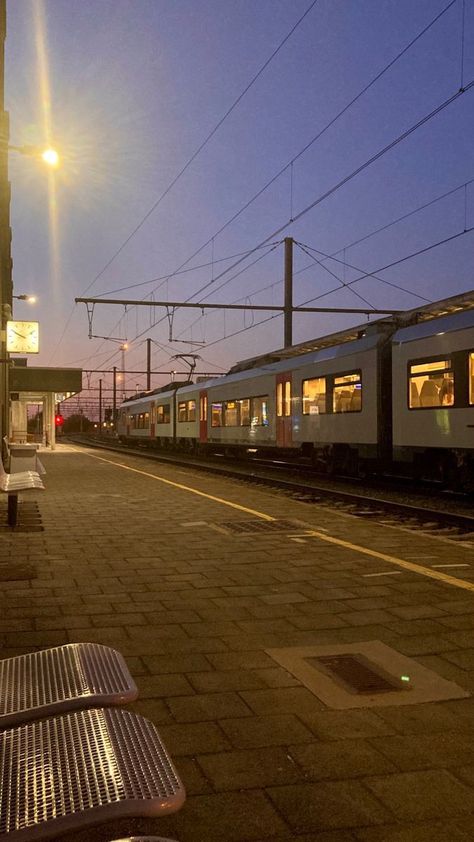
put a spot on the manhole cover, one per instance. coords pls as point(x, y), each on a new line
point(356, 674)
point(249, 527)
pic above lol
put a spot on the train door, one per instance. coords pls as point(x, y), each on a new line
point(283, 410)
point(152, 420)
point(203, 417)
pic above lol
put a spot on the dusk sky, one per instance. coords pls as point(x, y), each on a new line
point(128, 90)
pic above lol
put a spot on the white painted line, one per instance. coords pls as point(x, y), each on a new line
point(298, 540)
point(422, 556)
point(195, 523)
point(386, 573)
point(450, 565)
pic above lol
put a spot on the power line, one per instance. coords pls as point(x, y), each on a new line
point(204, 143)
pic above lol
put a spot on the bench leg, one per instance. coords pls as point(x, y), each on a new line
point(12, 509)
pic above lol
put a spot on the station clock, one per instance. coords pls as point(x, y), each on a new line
point(22, 337)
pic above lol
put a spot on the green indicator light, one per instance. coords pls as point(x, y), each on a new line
point(405, 678)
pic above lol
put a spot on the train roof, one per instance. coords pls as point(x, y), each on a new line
point(446, 307)
point(443, 324)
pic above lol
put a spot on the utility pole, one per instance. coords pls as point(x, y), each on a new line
point(148, 365)
point(114, 395)
point(5, 233)
point(100, 405)
point(288, 310)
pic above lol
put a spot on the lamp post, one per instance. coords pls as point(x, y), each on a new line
point(51, 158)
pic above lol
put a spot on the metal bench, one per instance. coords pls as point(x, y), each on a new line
point(12, 484)
point(70, 772)
point(77, 675)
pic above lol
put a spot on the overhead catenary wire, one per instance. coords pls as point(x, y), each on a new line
point(302, 151)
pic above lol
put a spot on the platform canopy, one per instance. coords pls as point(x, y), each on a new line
point(39, 385)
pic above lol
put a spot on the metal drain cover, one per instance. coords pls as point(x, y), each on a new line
point(249, 527)
point(357, 674)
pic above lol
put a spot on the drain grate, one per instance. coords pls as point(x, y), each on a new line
point(356, 674)
point(250, 527)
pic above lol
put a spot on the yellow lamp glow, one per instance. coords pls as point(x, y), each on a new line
point(50, 157)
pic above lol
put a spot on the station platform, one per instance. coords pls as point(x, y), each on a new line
point(232, 604)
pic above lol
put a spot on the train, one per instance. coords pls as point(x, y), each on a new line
point(395, 394)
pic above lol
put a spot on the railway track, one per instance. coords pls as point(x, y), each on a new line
point(455, 526)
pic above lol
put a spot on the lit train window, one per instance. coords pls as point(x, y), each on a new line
point(163, 414)
point(287, 399)
point(471, 378)
point(146, 420)
point(231, 414)
point(182, 411)
point(430, 384)
point(191, 410)
point(216, 415)
point(244, 412)
point(347, 393)
point(314, 396)
point(279, 399)
point(259, 411)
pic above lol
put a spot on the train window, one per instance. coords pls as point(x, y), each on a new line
point(314, 396)
point(231, 414)
point(182, 411)
point(244, 412)
point(471, 378)
point(259, 413)
point(203, 408)
point(347, 393)
point(146, 420)
point(279, 399)
point(431, 384)
point(216, 415)
point(191, 410)
point(163, 414)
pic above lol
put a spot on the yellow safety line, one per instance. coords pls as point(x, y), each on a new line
point(399, 562)
point(183, 487)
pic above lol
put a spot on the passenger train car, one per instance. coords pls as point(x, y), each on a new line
point(396, 393)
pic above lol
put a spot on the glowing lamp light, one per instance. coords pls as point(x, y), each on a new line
point(58, 420)
point(50, 157)
point(405, 678)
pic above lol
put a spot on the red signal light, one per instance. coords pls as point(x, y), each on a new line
point(58, 420)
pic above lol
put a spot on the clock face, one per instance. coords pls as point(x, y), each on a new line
point(22, 337)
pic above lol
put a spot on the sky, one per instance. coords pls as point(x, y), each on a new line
point(129, 90)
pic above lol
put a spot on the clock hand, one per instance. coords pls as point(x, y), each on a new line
point(19, 334)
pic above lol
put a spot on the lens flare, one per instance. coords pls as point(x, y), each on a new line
point(50, 157)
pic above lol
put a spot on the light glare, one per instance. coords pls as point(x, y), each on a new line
point(50, 157)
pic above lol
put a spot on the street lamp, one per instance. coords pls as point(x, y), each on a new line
point(24, 297)
point(48, 155)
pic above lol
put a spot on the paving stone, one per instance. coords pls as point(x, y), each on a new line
point(211, 682)
point(297, 700)
point(193, 738)
point(346, 724)
point(325, 806)
point(254, 768)
point(340, 760)
point(210, 706)
point(162, 664)
point(260, 731)
point(228, 816)
point(423, 795)
point(427, 751)
point(426, 832)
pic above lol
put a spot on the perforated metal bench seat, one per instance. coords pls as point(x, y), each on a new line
point(78, 675)
point(69, 772)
